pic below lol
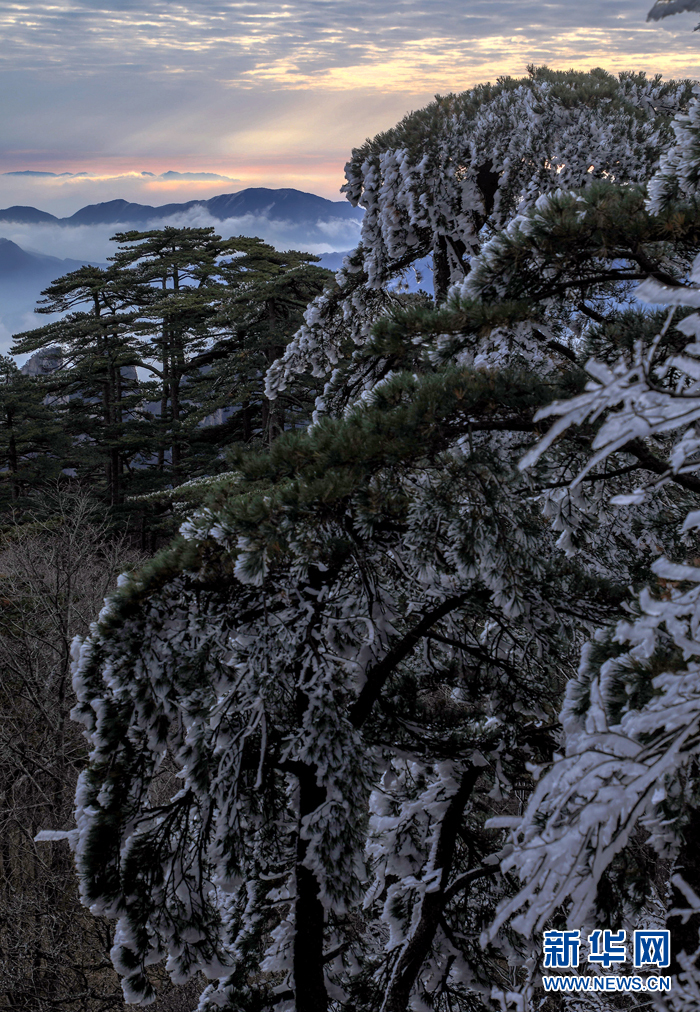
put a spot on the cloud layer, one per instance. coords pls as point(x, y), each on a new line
point(272, 93)
point(318, 43)
point(170, 175)
point(93, 242)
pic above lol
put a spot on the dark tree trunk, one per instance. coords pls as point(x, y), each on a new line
point(176, 371)
point(309, 985)
point(245, 418)
point(165, 389)
point(12, 454)
point(107, 417)
point(441, 269)
point(418, 947)
point(175, 415)
point(113, 432)
point(118, 419)
point(272, 421)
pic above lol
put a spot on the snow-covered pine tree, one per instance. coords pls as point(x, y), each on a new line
point(302, 715)
point(615, 818)
point(447, 177)
point(342, 623)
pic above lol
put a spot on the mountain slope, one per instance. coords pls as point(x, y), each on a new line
point(112, 212)
point(15, 261)
point(23, 275)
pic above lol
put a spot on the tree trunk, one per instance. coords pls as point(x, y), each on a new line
point(118, 420)
point(107, 419)
point(420, 942)
point(272, 421)
point(309, 982)
point(113, 433)
point(176, 371)
point(165, 389)
point(175, 416)
point(12, 454)
point(441, 269)
point(309, 985)
point(245, 417)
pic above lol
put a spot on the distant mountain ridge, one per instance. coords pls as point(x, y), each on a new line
point(23, 275)
point(16, 261)
point(281, 205)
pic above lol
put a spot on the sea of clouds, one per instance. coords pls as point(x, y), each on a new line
point(94, 243)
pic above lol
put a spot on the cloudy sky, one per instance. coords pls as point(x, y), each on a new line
point(266, 93)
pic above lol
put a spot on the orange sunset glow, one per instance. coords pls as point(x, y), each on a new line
point(270, 94)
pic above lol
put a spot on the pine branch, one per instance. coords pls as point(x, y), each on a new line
point(656, 465)
point(377, 676)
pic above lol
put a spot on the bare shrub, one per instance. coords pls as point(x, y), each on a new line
point(56, 566)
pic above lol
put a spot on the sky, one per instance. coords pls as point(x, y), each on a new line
point(117, 93)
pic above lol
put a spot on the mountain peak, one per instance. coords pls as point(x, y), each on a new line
point(26, 215)
point(285, 204)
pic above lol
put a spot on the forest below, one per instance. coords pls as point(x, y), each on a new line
point(96, 433)
point(399, 666)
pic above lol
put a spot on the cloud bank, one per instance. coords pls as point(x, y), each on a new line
point(318, 43)
point(92, 243)
point(274, 93)
point(30, 174)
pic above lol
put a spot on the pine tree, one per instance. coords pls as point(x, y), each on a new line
point(447, 177)
point(352, 662)
point(33, 444)
point(367, 631)
point(631, 715)
point(214, 314)
point(261, 307)
point(177, 270)
point(96, 387)
point(204, 317)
